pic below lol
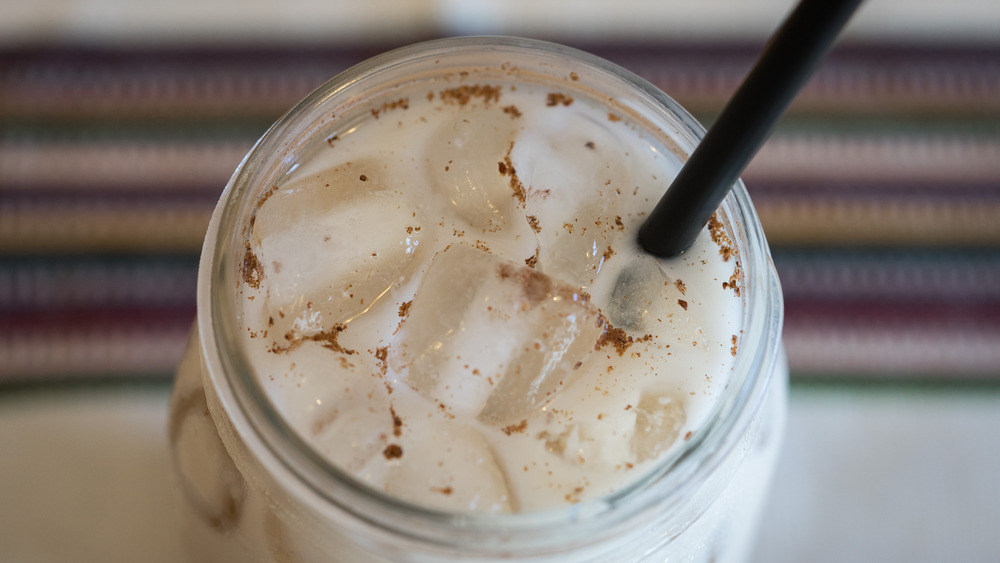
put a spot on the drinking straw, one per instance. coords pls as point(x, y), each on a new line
point(786, 64)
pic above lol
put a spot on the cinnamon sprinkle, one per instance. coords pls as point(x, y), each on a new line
point(518, 428)
point(252, 270)
point(464, 94)
point(556, 98)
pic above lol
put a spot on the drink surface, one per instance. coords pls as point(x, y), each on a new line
point(444, 296)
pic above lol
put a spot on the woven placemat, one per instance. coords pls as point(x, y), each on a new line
point(879, 193)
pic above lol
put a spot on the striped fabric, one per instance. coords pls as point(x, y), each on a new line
point(879, 192)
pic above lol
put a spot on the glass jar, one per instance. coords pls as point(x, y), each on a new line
point(251, 489)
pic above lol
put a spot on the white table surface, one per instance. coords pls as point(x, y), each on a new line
point(911, 476)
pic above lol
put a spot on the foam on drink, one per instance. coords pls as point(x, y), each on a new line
point(446, 299)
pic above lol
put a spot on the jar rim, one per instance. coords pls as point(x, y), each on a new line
point(267, 434)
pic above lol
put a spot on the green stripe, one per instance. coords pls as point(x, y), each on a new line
point(207, 128)
point(83, 385)
point(945, 124)
point(904, 385)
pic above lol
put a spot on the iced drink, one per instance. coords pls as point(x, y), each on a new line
point(427, 330)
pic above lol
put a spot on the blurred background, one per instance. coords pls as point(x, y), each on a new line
point(120, 123)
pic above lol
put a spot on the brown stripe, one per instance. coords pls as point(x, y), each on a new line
point(178, 227)
point(906, 223)
point(143, 166)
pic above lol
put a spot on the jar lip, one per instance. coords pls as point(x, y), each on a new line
point(268, 435)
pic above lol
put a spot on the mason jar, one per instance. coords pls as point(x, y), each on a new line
point(250, 488)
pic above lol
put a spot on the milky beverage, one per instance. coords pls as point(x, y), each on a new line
point(443, 301)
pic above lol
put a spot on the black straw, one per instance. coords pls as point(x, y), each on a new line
point(782, 70)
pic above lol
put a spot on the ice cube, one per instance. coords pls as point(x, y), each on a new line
point(463, 160)
point(595, 442)
point(489, 338)
point(573, 159)
point(321, 262)
point(644, 297)
point(621, 433)
point(659, 417)
point(449, 466)
point(576, 252)
point(353, 422)
point(206, 474)
point(640, 287)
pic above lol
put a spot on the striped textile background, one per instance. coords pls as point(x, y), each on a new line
point(879, 193)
